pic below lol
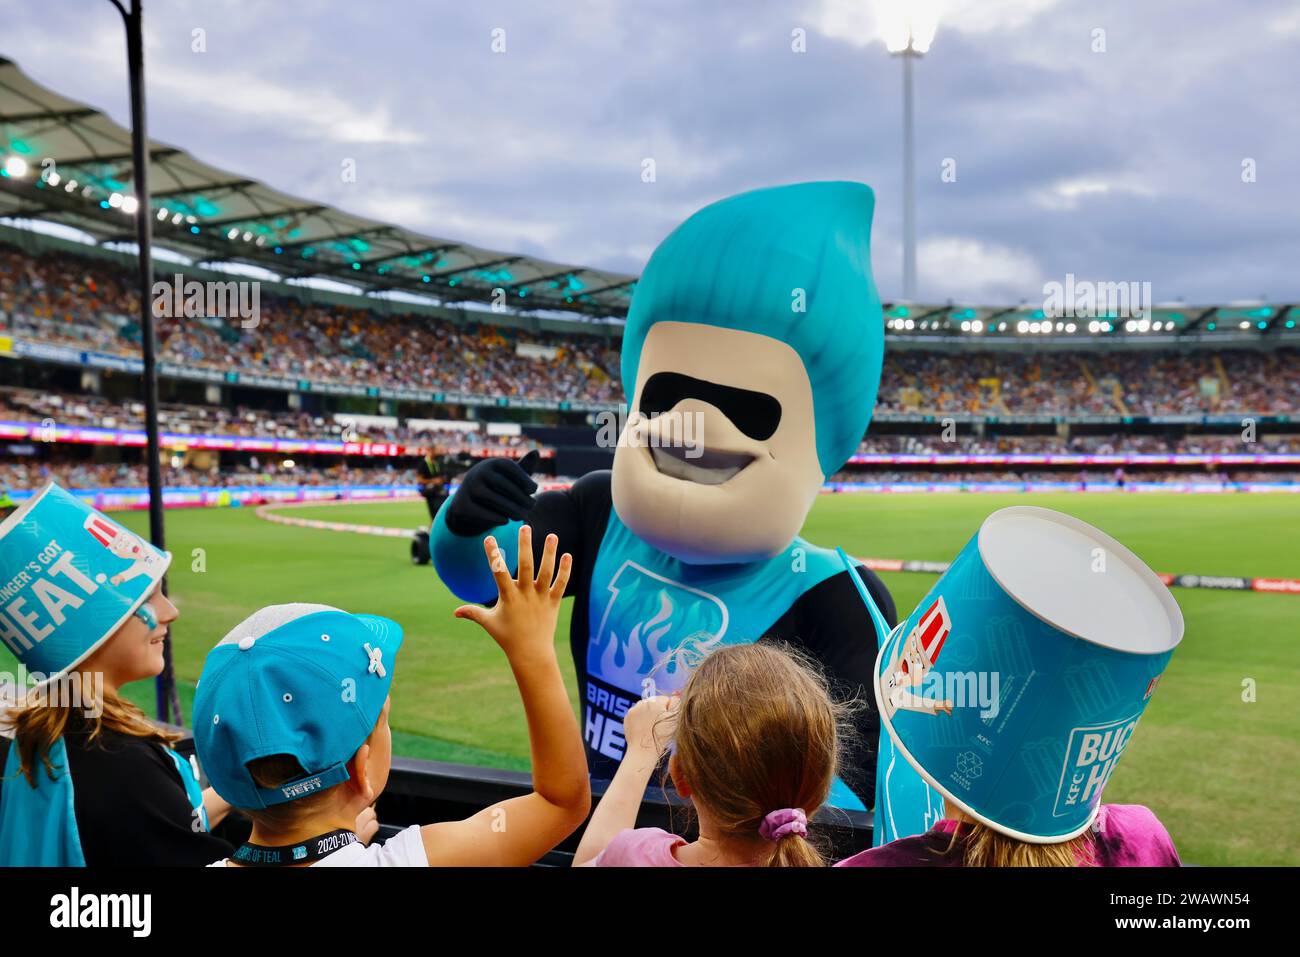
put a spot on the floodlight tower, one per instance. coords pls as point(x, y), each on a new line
point(909, 31)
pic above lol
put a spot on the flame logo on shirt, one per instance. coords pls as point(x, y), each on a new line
point(653, 628)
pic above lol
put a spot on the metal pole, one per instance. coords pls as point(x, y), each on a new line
point(909, 183)
point(167, 701)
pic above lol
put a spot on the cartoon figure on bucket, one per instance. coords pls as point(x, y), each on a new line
point(916, 658)
point(757, 323)
point(124, 544)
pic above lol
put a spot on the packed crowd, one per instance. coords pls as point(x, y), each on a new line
point(29, 405)
point(1109, 444)
point(1068, 476)
point(88, 303)
point(22, 475)
point(1101, 383)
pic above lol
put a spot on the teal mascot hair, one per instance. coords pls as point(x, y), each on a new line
point(792, 263)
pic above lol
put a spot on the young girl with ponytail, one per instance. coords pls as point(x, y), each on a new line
point(754, 740)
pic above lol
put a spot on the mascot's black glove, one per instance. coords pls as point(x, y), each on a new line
point(492, 493)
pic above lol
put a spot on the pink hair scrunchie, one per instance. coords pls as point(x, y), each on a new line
point(788, 820)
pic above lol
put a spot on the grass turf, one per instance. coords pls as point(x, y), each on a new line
point(1221, 772)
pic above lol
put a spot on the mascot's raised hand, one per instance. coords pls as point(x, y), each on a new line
point(492, 493)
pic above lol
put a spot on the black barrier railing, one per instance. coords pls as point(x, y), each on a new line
point(425, 792)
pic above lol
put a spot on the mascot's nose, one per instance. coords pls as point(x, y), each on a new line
point(756, 414)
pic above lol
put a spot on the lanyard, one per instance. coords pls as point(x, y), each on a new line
point(304, 852)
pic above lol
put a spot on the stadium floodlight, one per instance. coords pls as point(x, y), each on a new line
point(909, 29)
point(129, 205)
point(909, 25)
point(16, 167)
point(52, 178)
point(977, 325)
point(115, 200)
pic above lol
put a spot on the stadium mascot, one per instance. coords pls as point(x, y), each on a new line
point(752, 356)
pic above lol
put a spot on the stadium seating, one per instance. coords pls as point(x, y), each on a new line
point(74, 301)
point(1111, 383)
point(63, 299)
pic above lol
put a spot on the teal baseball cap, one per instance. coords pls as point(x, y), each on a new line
point(299, 679)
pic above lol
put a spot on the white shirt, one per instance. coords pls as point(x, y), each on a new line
point(405, 849)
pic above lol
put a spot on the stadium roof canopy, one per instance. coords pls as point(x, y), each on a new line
point(212, 215)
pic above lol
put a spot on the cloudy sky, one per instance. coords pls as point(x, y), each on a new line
point(1103, 138)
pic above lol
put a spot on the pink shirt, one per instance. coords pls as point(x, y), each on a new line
point(1124, 835)
point(640, 847)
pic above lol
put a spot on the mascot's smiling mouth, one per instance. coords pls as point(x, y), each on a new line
point(702, 466)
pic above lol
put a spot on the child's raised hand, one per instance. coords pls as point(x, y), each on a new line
point(527, 607)
point(649, 723)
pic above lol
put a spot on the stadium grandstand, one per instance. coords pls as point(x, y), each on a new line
point(372, 343)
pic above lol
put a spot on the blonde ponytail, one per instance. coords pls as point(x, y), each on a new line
point(758, 735)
